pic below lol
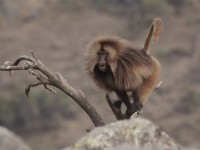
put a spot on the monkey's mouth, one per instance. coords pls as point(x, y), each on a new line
point(102, 67)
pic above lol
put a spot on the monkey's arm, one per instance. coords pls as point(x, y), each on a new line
point(117, 111)
point(125, 99)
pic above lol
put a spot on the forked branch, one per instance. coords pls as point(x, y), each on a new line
point(47, 77)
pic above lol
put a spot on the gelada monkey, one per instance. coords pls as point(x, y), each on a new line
point(115, 65)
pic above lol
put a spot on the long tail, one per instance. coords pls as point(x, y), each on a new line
point(155, 31)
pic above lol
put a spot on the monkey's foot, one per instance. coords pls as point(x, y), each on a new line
point(129, 112)
point(134, 111)
point(136, 114)
point(138, 106)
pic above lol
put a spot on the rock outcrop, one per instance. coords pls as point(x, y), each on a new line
point(10, 141)
point(137, 134)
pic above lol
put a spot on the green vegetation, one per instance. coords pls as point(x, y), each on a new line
point(41, 111)
point(177, 4)
point(71, 5)
point(188, 103)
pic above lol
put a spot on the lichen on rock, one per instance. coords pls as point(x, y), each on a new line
point(136, 133)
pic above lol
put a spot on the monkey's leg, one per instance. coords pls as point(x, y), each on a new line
point(118, 104)
point(137, 103)
point(125, 99)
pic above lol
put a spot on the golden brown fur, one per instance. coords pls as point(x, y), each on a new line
point(130, 69)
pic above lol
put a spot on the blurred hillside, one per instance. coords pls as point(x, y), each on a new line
point(58, 32)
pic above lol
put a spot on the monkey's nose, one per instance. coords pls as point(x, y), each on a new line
point(102, 63)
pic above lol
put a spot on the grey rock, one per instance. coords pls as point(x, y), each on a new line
point(10, 141)
point(137, 134)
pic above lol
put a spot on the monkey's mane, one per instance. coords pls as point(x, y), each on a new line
point(114, 45)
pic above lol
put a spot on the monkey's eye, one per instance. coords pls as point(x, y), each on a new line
point(103, 53)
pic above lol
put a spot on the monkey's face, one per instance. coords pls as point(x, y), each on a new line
point(102, 63)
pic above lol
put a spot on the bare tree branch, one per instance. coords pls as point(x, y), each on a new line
point(158, 85)
point(22, 58)
point(49, 89)
point(11, 68)
point(28, 88)
point(47, 77)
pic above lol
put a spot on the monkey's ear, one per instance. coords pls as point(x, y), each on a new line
point(155, 31)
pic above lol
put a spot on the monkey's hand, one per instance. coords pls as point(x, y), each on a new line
point(129, 111)
point(136, 114)
point(134, 110)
